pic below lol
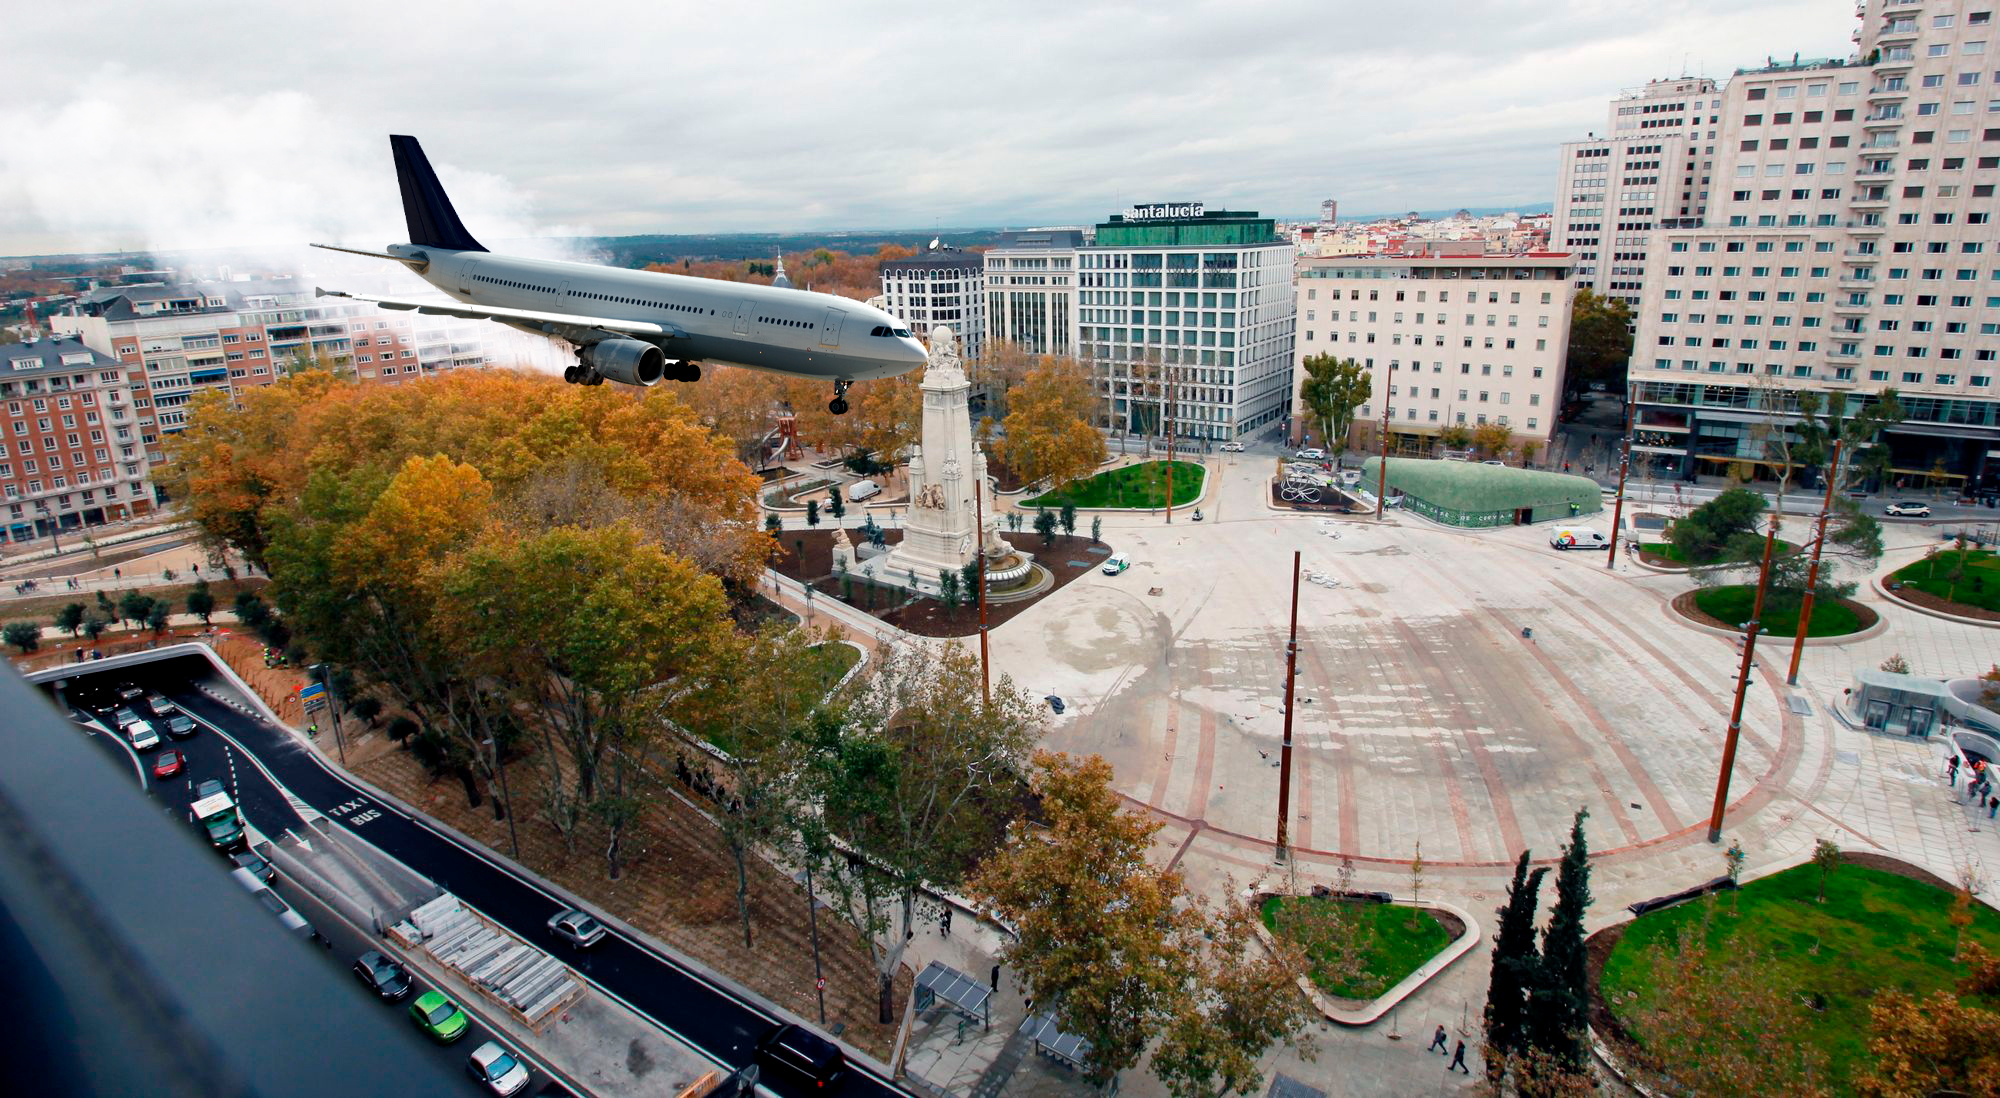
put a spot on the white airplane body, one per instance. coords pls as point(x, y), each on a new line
point(636, 326)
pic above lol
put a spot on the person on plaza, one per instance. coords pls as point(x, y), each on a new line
point(312, 731)
point(1458, 1058)
point(1440, 1043)
point(1951, 768)
point(996, 979)
point(944, 923)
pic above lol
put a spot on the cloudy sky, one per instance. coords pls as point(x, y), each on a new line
point(203, 124)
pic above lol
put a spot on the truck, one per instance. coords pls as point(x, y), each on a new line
point(218, 816)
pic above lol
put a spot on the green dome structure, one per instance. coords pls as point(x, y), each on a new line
point(1459, 493)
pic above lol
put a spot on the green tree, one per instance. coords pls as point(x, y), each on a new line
point(1122, 954)
point(251, 610)
point(948, 588)
point(1067, 516)
point(201, 601)
point(1333, 388)
point(1600, 339)
point(1722, 530)
point(133, 606)
point(812, 513)
point(367, 707)
point(69, 619)
point(24, 635)
point(156, 617)
point(1560, 1003)
point(773, 524)
point(920, 774)
point(968, 581)
point(1455, 436)
point(106, 607)
point(94, 627)
point(1045, 525)
point(836, 506)
point(1515, 962)
point(1826, 856)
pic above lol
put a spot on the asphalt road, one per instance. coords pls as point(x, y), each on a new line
point(702, 1014)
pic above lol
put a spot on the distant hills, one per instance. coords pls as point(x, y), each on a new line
point(637, 251)
point(1436, 215)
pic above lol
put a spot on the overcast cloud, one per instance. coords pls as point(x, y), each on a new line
point(209, 124)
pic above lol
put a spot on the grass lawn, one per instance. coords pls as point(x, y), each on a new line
point(1875, 932)
point(1141, 485)
point(1732, 604)
point(1667, 550)
point(1979, 586)
point(1391, 948)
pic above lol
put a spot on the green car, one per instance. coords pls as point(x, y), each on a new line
point(439, 1017)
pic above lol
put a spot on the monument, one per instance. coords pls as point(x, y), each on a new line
point(945, 470)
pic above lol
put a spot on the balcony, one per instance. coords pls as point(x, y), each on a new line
point(1857, 282)
point(1838, 355)
point(1896, 34)
point(1887, 94)
point(1882, 122)
point(1847, 308)
point(1866, 201)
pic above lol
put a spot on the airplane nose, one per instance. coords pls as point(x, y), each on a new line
point(916, 349)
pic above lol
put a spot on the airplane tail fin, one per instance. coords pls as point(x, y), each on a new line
point(432, 221)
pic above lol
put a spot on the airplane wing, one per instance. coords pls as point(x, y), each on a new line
point(570, 326)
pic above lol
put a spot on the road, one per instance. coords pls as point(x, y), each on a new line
point(702, 1014)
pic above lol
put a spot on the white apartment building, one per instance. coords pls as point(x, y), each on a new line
point(1849, 248)
point(1462, 339)
point(1031, 290)
point(1186, 315)
point(940, 285)
point(1650, 169)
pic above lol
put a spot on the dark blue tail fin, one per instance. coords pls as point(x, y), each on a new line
point(433, 223)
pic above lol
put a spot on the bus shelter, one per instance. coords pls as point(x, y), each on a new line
point(962, 994)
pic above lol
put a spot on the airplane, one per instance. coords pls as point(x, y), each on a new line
point(629, 326)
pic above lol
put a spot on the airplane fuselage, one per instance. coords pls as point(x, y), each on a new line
point(784, 330)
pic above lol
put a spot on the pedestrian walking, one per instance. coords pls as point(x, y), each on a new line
point(1951, 769)
point(996, 979)
point(1440, 1043)
point(944, 922)
point(1458, 1058)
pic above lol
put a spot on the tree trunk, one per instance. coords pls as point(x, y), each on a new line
point(471, 786)
point(611, 851)
point(742, 891)
point(885, 1007)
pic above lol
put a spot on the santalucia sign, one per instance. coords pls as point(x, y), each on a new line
point(1158, 210)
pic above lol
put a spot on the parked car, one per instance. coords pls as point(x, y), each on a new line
point(381, 975)
point(577, 928)
point(1577, 537)
point(254, 865)
point(1118, 563)
point(1232, 447)
point(1908, 508)
point(800, 1051)
point(497, 1069)
point(862, 489)
point(169, 764)
point(180, 726)
point(439, 1017)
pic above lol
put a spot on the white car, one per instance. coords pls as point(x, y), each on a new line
point(862, 489)
point(142, 735)
point(1118, 563)
point(1232, 447)
point(577, 928)
point(1314, 454)
point(1908, 508)
point(499, 1070)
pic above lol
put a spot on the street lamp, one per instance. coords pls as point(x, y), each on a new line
point(319, 673)
point(55, 524)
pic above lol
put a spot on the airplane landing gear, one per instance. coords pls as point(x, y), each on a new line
point(689, 371)
point(839, 404)
point(580, 374)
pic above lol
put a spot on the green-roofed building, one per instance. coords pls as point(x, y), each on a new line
point(1459, 493)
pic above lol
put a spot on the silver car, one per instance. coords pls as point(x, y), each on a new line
point(499, 1070)
point(577, 928)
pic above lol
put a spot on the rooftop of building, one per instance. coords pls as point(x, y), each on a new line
point(145, 299)
point(943, 257)
point(1772, 66)
point(44, 355)
point(1039, 239)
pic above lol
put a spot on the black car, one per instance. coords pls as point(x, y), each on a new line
point(180, 726)
point(800, 1051)
point(1055, 703)
point(257, 866)
point(382, 976)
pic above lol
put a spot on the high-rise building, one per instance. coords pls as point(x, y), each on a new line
point(940, 285)
point(1187, 313)
point(73, 453)
point(1031, 290)
point(1449, 334)
point(1650, 169)
point(177, 339)
point(1329, 210)
point(1848, 248)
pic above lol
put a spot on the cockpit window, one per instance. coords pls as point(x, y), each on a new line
point(885, 330)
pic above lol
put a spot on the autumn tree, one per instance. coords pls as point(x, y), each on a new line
point(1490, 439)
point(1333, 388)
point(1939, 1044)
point(1000, 369)
point(739, 404)
point(1049, 434)
point(919, 774)
point(1122, 954)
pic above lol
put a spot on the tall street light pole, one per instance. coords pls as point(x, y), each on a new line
point(979, 553)
point(1750, 629)
point(1382, 482)
point(1624, 466)
point(1812, 572)
point(1167, 410)
point(1285, 748)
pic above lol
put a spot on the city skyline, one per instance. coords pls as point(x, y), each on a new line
point(856, 122)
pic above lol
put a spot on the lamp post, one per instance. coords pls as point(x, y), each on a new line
point(1750, 629)
point(1382, 482)
point(319, 672)
point(1624, 466)
point(1285, 747)
point(55, 524)
point(979, 554)
point(1812, 572)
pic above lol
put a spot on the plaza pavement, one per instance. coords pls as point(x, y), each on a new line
point(1425, 715)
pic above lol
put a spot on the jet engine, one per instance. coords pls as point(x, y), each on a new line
point(631, 361)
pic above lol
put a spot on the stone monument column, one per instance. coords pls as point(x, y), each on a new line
point(945, 469)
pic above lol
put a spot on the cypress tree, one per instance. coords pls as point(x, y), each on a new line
point(1562, 995)
point(1514, 963)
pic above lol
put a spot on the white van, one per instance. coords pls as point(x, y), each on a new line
point(1577, 537)
point(142, 734)
point(862, 489)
